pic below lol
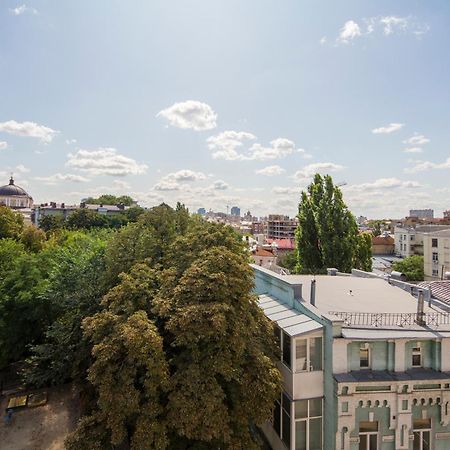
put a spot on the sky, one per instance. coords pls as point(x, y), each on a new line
point(220, 103)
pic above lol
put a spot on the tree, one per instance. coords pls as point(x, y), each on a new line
point(288, 261)
point(51, 223)
point(376, 231)
point(363, 252)
point(412, 267)
point(11, 223)
point(108, 199)
point(327, 231)
point(33, 238)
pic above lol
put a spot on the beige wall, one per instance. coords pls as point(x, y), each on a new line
point(433, 270)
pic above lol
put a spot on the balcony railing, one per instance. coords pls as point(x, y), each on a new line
point(433, 319)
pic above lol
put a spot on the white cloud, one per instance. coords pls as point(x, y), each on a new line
point(323, 40)
point(349, 31)
point(120, 184)
point(167, 185)
point(105, 161)
point(59, 177)
point(226, 144)
point(190, 114)
point(417, 139)
point(280, 190)
point(71, 141)
point(21, 169)
point(421, 166)
point(28, 129)
point(229, 145)
point(322, 168)
point(3, 145)
point(220, 185)
point(185, 175)
point(383, 25)
point(384, 183)
point(388, 128)
point(413, 150)
point(270, 171)
point(19, 10)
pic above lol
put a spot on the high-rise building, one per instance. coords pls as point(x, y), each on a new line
point(201, 211)
point(235, 211)
point(280, 227)
point(422, 213)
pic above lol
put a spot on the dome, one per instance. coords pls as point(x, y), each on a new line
point(11, 189)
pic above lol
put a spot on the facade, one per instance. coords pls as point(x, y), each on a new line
point(366, 364)
point(383, 245)
point(422, 213)
point(280, 227)
point(409, 240)
point(264, 258)
point(14, 196)
point(436, 254)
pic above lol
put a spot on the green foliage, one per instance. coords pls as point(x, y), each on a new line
point(51, 223)
point(327, 231)
point(288, 261)
point(412, 267)
point(11, 223)
point(33, 238)
point(363, 252)
point(108, 199)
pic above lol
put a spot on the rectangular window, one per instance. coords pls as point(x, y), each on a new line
point(422, 434)
point(435, 257)
point(282, 419)
point(364, 356)
point(417, 355)
point(435, 272)
point(368, 435)
point(434, 242)
point(308, 424)
point(287, 349)
point(308, 354)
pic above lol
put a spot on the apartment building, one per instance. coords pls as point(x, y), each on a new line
point(280, 227)
point(409, 240)
point(366, 364)
point(436, 253)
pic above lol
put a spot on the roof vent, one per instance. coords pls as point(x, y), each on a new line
point(332, 272)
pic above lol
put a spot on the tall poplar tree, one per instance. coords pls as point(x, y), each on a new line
point(327, 234)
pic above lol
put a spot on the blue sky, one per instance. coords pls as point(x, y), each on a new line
point(228, 102)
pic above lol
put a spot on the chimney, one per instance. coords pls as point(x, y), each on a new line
point(313, 293)
point(63, 205)
point(420, 320)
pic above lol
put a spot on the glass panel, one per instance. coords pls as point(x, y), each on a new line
point(315, 353)
point(300, 355)
point(286, 403)
point(373, 441)
point(276, 418)
point(416, 360)
point(286, 437)
point(363, 442)
point(300, 435)
point(315, 434)
point(426, 440)
point(301, 409)
point(315, 407)
point(287, 349)
point(416, 442)
point(363, 357)
point(368, 426)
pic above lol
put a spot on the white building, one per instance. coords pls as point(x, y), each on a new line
point(436, 254)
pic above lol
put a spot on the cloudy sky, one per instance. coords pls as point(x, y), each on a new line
point(228, 102)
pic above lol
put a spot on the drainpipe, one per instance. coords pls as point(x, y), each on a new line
point(313, 293)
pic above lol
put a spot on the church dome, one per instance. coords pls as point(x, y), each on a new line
point(11, 189)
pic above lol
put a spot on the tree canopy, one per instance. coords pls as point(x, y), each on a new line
point(412, 267)
point(327, 234)
point(109, 199)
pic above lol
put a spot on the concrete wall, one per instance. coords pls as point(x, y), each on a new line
point(443, 251)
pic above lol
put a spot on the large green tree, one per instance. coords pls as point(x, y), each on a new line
point(11, 223)
point(412, 267)
point(327, 234)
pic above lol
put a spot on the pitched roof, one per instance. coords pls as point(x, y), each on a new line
point(283, 244)
point(382, 240)
point(261, 252)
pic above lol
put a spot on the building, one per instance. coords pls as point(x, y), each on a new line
point(422, 213)
point(264, 258)
point(236, 211)
point(383, 245)
point(201, 211)
point(280, 227)
point(409, 240)
point(14, 196)
point(436, 254)
point(365, 364)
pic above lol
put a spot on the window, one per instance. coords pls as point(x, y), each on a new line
point(282, 419)
point(364, 356)
point(308, 354)
point(286, 357)
point(308, 424)
point(435, 272)
point(368, 435)
point(417, 355)
point(435, 257)
point(434, 242)
point(422, 434)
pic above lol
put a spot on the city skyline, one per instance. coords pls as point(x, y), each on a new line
point(244, 104)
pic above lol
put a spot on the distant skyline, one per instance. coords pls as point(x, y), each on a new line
point(225, 102)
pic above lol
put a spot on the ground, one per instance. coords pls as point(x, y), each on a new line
point(43, 427)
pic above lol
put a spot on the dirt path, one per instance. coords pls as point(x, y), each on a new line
point(43, 427)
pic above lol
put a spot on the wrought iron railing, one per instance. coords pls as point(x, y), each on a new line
point(432, 319)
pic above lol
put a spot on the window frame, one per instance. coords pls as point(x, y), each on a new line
point(416, 350)
point(368, 434)
point(307, 420)
point(434, 243)
point(420, 432)
point(435, 257)
point(366, 347)
point(309, 367)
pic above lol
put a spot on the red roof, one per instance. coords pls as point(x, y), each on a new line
point(261, 252)
point(382, 240)
point(283, 244)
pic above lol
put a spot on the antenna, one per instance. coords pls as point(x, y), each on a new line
point(342, 183)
